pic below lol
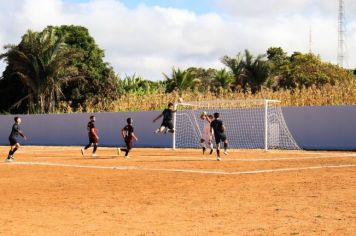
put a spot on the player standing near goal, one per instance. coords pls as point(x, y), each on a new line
point(219, 132)
point(14, 144)
point(93, 136)
point(207, 135)
point(167, 123)
point(128, 136)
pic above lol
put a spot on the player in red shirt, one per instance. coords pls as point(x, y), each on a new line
point(128, 136)
point(93, 136)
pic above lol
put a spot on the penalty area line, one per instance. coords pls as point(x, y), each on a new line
point(182, 170)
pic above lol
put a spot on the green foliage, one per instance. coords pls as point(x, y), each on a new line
point(58, 64)
point(39, 67)
point(137, 85)
point(249, 72)
point(180, 80)
point(306, 70)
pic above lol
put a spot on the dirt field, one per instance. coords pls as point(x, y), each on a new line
point(55, 191)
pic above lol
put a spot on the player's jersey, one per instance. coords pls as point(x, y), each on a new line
point(128, 131)
point(167, 114)
point(15, 131)
point(92, 129)
point(206, 128)
point(217, 126)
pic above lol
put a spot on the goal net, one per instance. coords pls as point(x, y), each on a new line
point(250, 124)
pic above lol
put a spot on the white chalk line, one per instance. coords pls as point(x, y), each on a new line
point(189, 158)
point(127, 168)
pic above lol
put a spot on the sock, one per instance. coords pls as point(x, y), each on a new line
point(225, 147)
point(95, 147)
point(10, 153)
point(218, 152)
point(87, 146)
point(127, 152)
point(211, 146)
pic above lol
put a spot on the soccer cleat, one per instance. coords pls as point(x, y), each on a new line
point(204, 149)
point(82, 151)
point(11, 157)
point(218, 159)
point(8, 159)
point(93, 155)
point(118, 151)
point(211, 151)
point(226, 153)
point(126, 157)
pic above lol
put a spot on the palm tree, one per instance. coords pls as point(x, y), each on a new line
point(42, 63)
point(247, 70)
point(224, 79)
point(180, 80)
point(236, 66)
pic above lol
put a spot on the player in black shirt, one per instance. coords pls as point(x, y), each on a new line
point(167, 123)
point(128, 136)
point(93, 136)
point(14, 144)
point(219, 132)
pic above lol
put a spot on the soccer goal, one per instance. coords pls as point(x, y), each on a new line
point(250, 124)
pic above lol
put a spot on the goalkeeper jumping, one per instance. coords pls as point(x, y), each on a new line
point(219, 132)
point(207, 135)
point(167, 123)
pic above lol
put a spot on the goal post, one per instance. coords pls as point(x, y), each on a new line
point(250, 124)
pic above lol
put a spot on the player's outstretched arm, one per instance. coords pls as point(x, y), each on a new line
point(158, 117)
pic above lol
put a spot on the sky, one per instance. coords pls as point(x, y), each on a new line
point(150, 37)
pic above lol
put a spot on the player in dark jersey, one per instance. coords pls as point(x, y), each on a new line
point(14, 144)
point(93, 136)
point(167, 123)
point(218, 128)
point(128, 136)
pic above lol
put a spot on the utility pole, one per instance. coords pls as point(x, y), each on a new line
point(310, 40)
point(341, 34)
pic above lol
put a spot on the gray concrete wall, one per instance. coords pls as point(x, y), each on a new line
point(323, 127)
point(70, 129)
point(328, 127)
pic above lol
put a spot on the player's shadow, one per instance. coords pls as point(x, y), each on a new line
point(174, 160)
point(97, 158)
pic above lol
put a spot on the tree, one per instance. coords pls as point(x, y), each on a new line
point(100, 81)
point(180, 80)
point(306, 70)
point(40, 64)
point(97, 82)
point(223, 79)
point(249, 72)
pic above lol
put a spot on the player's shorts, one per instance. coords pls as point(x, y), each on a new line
point(93, 139)
point(207, 137)
point(128, 142)
point(220, 138)
point(12, 141)
point(168, 124)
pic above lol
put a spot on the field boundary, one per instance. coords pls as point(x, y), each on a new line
point(138, 168)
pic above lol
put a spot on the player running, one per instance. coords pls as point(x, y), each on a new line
point(167, 123)
point(93, 136)
point(14, 144)
point(207, 135)
point(219, 132)
point(128, 136)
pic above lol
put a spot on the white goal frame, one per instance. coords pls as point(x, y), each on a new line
point(199, 105)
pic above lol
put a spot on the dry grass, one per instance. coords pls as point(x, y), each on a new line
point(343, 93)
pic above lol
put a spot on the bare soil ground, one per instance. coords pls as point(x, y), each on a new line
point(56, 191)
